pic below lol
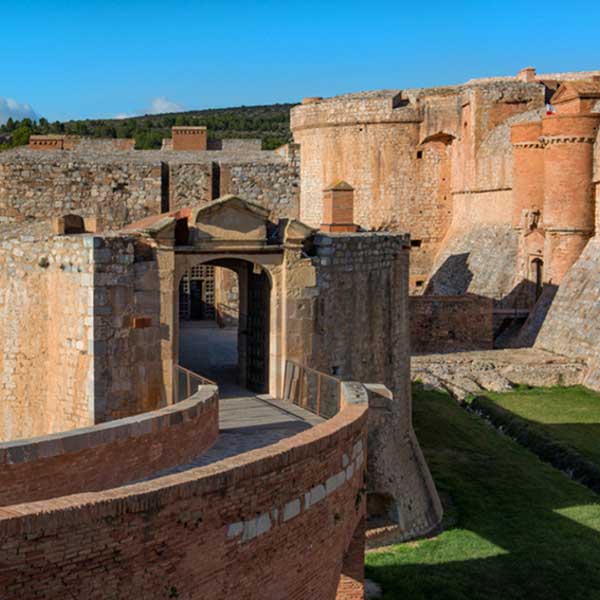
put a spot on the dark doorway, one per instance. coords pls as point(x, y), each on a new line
point(233, 352)
point(538, 275)
point(197, 294)
point(257, 328)
point(197, 304)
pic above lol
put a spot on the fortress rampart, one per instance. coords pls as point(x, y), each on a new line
point(110, 454)
point(496, 186)
point(432, 161)
point(120, 187)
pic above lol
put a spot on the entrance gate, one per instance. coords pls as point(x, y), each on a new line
point(257, 328)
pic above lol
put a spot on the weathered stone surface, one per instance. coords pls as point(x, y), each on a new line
point(466, 373)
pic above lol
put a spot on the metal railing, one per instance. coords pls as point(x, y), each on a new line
point(311, 389)
point(186, 383)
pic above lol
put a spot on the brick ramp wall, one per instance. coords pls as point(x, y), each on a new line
point(451, 323)
point(110, 454)
point(272, 523)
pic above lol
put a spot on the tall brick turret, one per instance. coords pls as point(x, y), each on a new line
point(568, 191)
point(528, 170)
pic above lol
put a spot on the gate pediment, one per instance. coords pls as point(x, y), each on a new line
point(231, 221)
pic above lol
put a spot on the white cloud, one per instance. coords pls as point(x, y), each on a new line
point(158, 105)
point(14, 109)
point(164, 105)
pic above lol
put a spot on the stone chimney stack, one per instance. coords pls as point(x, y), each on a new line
point(338, 208)
point(527, 75)
point(189, 139)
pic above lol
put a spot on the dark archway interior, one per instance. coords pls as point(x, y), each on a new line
point(538, 273)
point(224, 325)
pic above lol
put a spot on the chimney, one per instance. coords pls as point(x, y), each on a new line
point(338, 208)
point(190, 139)
point(527, 75)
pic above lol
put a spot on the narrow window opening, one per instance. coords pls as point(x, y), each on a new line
point(415, 243)
point(216, 181)
point(419, 153)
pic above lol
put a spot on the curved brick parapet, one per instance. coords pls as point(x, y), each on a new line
point(283, 521)
point(109, 454)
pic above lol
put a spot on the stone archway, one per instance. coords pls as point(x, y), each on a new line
point(254, 327)
point(260, 337)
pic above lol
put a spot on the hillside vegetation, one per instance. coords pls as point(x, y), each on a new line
point(270, 122)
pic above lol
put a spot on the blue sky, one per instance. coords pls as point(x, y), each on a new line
point(85, 58)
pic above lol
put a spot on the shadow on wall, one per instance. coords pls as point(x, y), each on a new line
point(453, 278)
point(517, 317)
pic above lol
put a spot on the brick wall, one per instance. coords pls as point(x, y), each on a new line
point(189, 138)
point(451, 323)
point(272, 523)
point(108, 455)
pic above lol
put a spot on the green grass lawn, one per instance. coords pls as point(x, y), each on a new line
point(515, 527)
point(569, 415)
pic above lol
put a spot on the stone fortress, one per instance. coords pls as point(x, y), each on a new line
point(449, 223)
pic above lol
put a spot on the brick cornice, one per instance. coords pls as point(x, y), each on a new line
point(532, 144)
point(567, 139)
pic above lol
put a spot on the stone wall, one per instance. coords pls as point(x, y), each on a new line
point(347, 316)
point(236, 145)
point(79, 329)
point(451, 323)
point(239, 528)
point(127, 361)
point(426, 161)
point(120, 187)
point(106, 144)
point(275, 186)
point(47, 184)
point(46, 299)
point(108, 455)
point(572, 325)
point(478, 260)
point(189, 184)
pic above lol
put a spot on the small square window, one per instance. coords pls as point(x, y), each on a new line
point(415, 243)
point(419, 283)
point(419, 153)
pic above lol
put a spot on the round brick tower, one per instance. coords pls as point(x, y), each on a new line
point(528, 169)
point(568, 192)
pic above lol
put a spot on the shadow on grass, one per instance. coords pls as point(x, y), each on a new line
point(520, 528)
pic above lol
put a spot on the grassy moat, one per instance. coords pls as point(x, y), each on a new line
point(515, 527)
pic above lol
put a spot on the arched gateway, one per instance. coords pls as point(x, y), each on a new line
point(236, 235)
